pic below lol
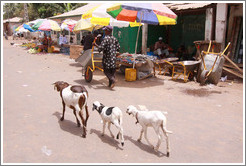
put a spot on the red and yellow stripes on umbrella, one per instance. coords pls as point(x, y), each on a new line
point(68, 24)
point(152, 13)
point(99, 16)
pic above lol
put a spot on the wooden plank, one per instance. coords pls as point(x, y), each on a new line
point(233, 72)
point(235, 65)
point(146, 76)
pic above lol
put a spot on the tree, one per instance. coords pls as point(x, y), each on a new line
point(66, 7)
point(38, 10)
point(11, 10)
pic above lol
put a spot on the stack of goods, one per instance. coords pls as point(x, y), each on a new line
point(125, 58)
point(27, 45)
point(32, 51)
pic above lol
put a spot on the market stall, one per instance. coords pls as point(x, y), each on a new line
point(144, 65)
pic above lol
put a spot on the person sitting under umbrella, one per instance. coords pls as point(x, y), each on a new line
point(161, 49)
point(44, 42)
point(62, 41)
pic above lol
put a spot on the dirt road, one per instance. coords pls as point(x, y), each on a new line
point(207, 122)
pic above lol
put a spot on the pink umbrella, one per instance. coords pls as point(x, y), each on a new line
point(47, 25)
point(68, 24)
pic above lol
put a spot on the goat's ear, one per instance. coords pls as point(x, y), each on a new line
point(102, 104)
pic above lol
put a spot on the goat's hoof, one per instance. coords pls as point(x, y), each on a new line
point(117, 137)
point(139, 140)
point(156, 149)
point(167, 154)
point(102, 135)
point(122, 143)
point(62, 118)
point(83, 135)
point(78, 124)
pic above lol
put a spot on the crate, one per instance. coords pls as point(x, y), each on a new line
point(75, 51)
point(130, 74)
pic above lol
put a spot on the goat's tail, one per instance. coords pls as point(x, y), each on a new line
point(164, 129)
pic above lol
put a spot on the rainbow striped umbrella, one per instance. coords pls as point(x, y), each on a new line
point(21, 29)
point(99, 16)
point(150, 13)
point(27, 26)
point(68, 24)
point(46, 25)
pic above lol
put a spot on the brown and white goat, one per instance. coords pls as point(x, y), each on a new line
point(75, 97)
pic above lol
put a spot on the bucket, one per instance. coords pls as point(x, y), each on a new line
point(130, 74)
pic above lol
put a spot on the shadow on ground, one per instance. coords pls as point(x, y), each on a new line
point(68, 126)
point(100, 81)
point(144, 147)
point(106, 139)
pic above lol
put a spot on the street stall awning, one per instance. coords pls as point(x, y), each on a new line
point(99, 16)
point(46, 25)
point(150, 13)
point(68, 24)
point(85, 24)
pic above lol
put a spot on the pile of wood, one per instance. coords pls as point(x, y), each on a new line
point(232, 67)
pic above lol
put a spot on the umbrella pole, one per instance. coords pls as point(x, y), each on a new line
point(137, 39)
point(69, 37)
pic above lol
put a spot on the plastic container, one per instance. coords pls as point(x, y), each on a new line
point(130, 74)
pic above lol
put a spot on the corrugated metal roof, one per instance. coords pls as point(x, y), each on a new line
point(78, 11)
point(186, 6)
point(15, 19)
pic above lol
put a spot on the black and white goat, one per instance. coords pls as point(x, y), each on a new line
point(110, 115)
point(75, 97)
point(155, 119)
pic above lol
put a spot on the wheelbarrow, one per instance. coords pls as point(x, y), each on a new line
point(166, 65)
point(88, 60)
point(185, 68)
point(91, 68)
point(211, 67)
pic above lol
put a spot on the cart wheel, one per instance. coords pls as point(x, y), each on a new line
point(203, 77)
point(89, 75)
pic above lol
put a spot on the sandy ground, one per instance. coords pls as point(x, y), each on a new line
point(207, 121)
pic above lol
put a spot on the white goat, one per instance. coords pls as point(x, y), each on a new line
point(75, 97)
point(110, 115)
point(155, 119)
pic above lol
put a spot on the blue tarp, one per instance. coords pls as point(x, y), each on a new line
point(28, 28)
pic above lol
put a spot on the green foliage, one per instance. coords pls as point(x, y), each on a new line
point(13, 10)
point(38, 10)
